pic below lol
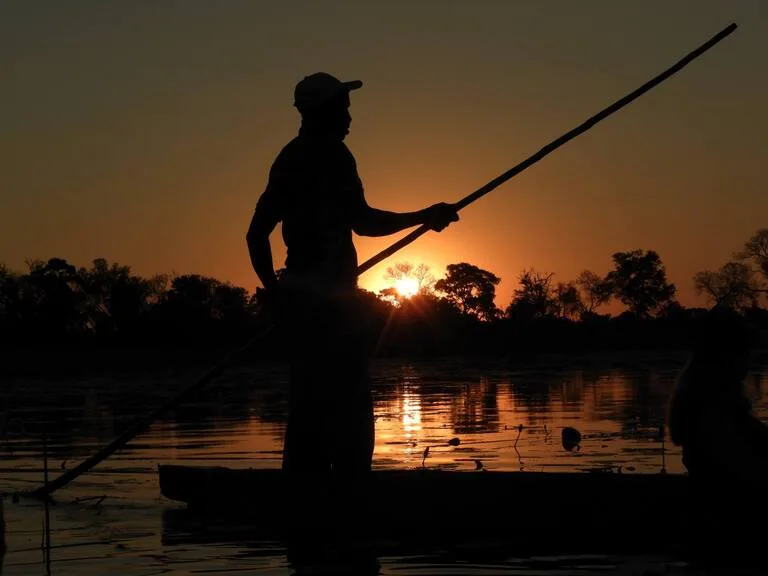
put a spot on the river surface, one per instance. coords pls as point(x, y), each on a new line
point(113, 519)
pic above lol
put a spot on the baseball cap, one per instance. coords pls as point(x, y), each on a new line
point(318, 88)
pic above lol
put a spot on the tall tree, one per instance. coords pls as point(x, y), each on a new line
point(639, 281)
point(568, 299)
point(421, 274)
point(756, 250)
point(734, 285)
point(117, 298)
point(52, 300)
point(595, 291)
point(471, 289)
point(534, 297)
point(204, 297)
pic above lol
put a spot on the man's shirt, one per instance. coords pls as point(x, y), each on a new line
point(315, 191)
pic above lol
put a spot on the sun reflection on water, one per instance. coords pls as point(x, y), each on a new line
point(410, 413)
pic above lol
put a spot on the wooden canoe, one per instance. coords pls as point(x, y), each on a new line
point(534, 511)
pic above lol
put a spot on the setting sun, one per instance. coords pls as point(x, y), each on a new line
point(407, 287)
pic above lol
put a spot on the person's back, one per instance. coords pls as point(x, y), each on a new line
point(724, 446)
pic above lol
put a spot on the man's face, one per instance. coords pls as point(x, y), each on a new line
point(334, 117)
point(339, 119)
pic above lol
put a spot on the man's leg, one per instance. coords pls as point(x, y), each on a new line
point(306, 450)
point(304, 453)
point(353, 445)
point(353, 420)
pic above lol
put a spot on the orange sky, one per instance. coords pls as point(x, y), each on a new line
point(143, 132)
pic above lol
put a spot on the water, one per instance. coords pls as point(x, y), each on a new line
point(113, 520)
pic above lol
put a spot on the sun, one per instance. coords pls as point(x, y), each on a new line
point(407, 287)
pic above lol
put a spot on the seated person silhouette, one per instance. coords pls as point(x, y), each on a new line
point(724, 445)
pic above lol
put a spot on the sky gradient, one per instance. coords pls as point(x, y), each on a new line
point(143, 132)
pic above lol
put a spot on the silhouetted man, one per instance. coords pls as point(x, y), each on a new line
point(315, 191)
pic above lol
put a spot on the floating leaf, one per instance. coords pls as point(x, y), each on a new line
point(454, 442)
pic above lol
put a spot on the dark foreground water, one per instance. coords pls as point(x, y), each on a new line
point(113, 520)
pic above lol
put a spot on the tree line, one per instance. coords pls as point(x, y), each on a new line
point(55, 304)
point(638, 280)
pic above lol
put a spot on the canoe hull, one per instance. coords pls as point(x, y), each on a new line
point(559, 512)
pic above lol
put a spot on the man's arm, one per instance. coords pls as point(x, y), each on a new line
point(375, 222)
point(368, 221)
point(265, 218)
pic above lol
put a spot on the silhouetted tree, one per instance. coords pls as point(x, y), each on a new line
point(426, 324)
point(595, 291)
point(568, 300)
point(390, 295)
point(398, 271)
point(534, 298)
point(7, 290)
point(372, 305)
point(157, 286)
point(193, 293)
point(52, 300)
point(230, 302)
point(56, 303)
point(9, 303)
point(733, 285)
point(756, 250)
point(673, 310)
point(471, 289)
point(425, 280)
point(419, 275)
point(117, 299)
point(639, 281)
point(198, 305)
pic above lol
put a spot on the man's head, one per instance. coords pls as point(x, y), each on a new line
point(323, 102)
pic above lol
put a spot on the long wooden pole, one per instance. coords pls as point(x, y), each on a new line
point(214, 372)
point(552, 146)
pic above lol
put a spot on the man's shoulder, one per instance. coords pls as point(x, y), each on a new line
point(289, 152)
point(298, 154)
point(288, 162)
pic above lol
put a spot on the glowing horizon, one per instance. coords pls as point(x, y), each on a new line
point(126, 137)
